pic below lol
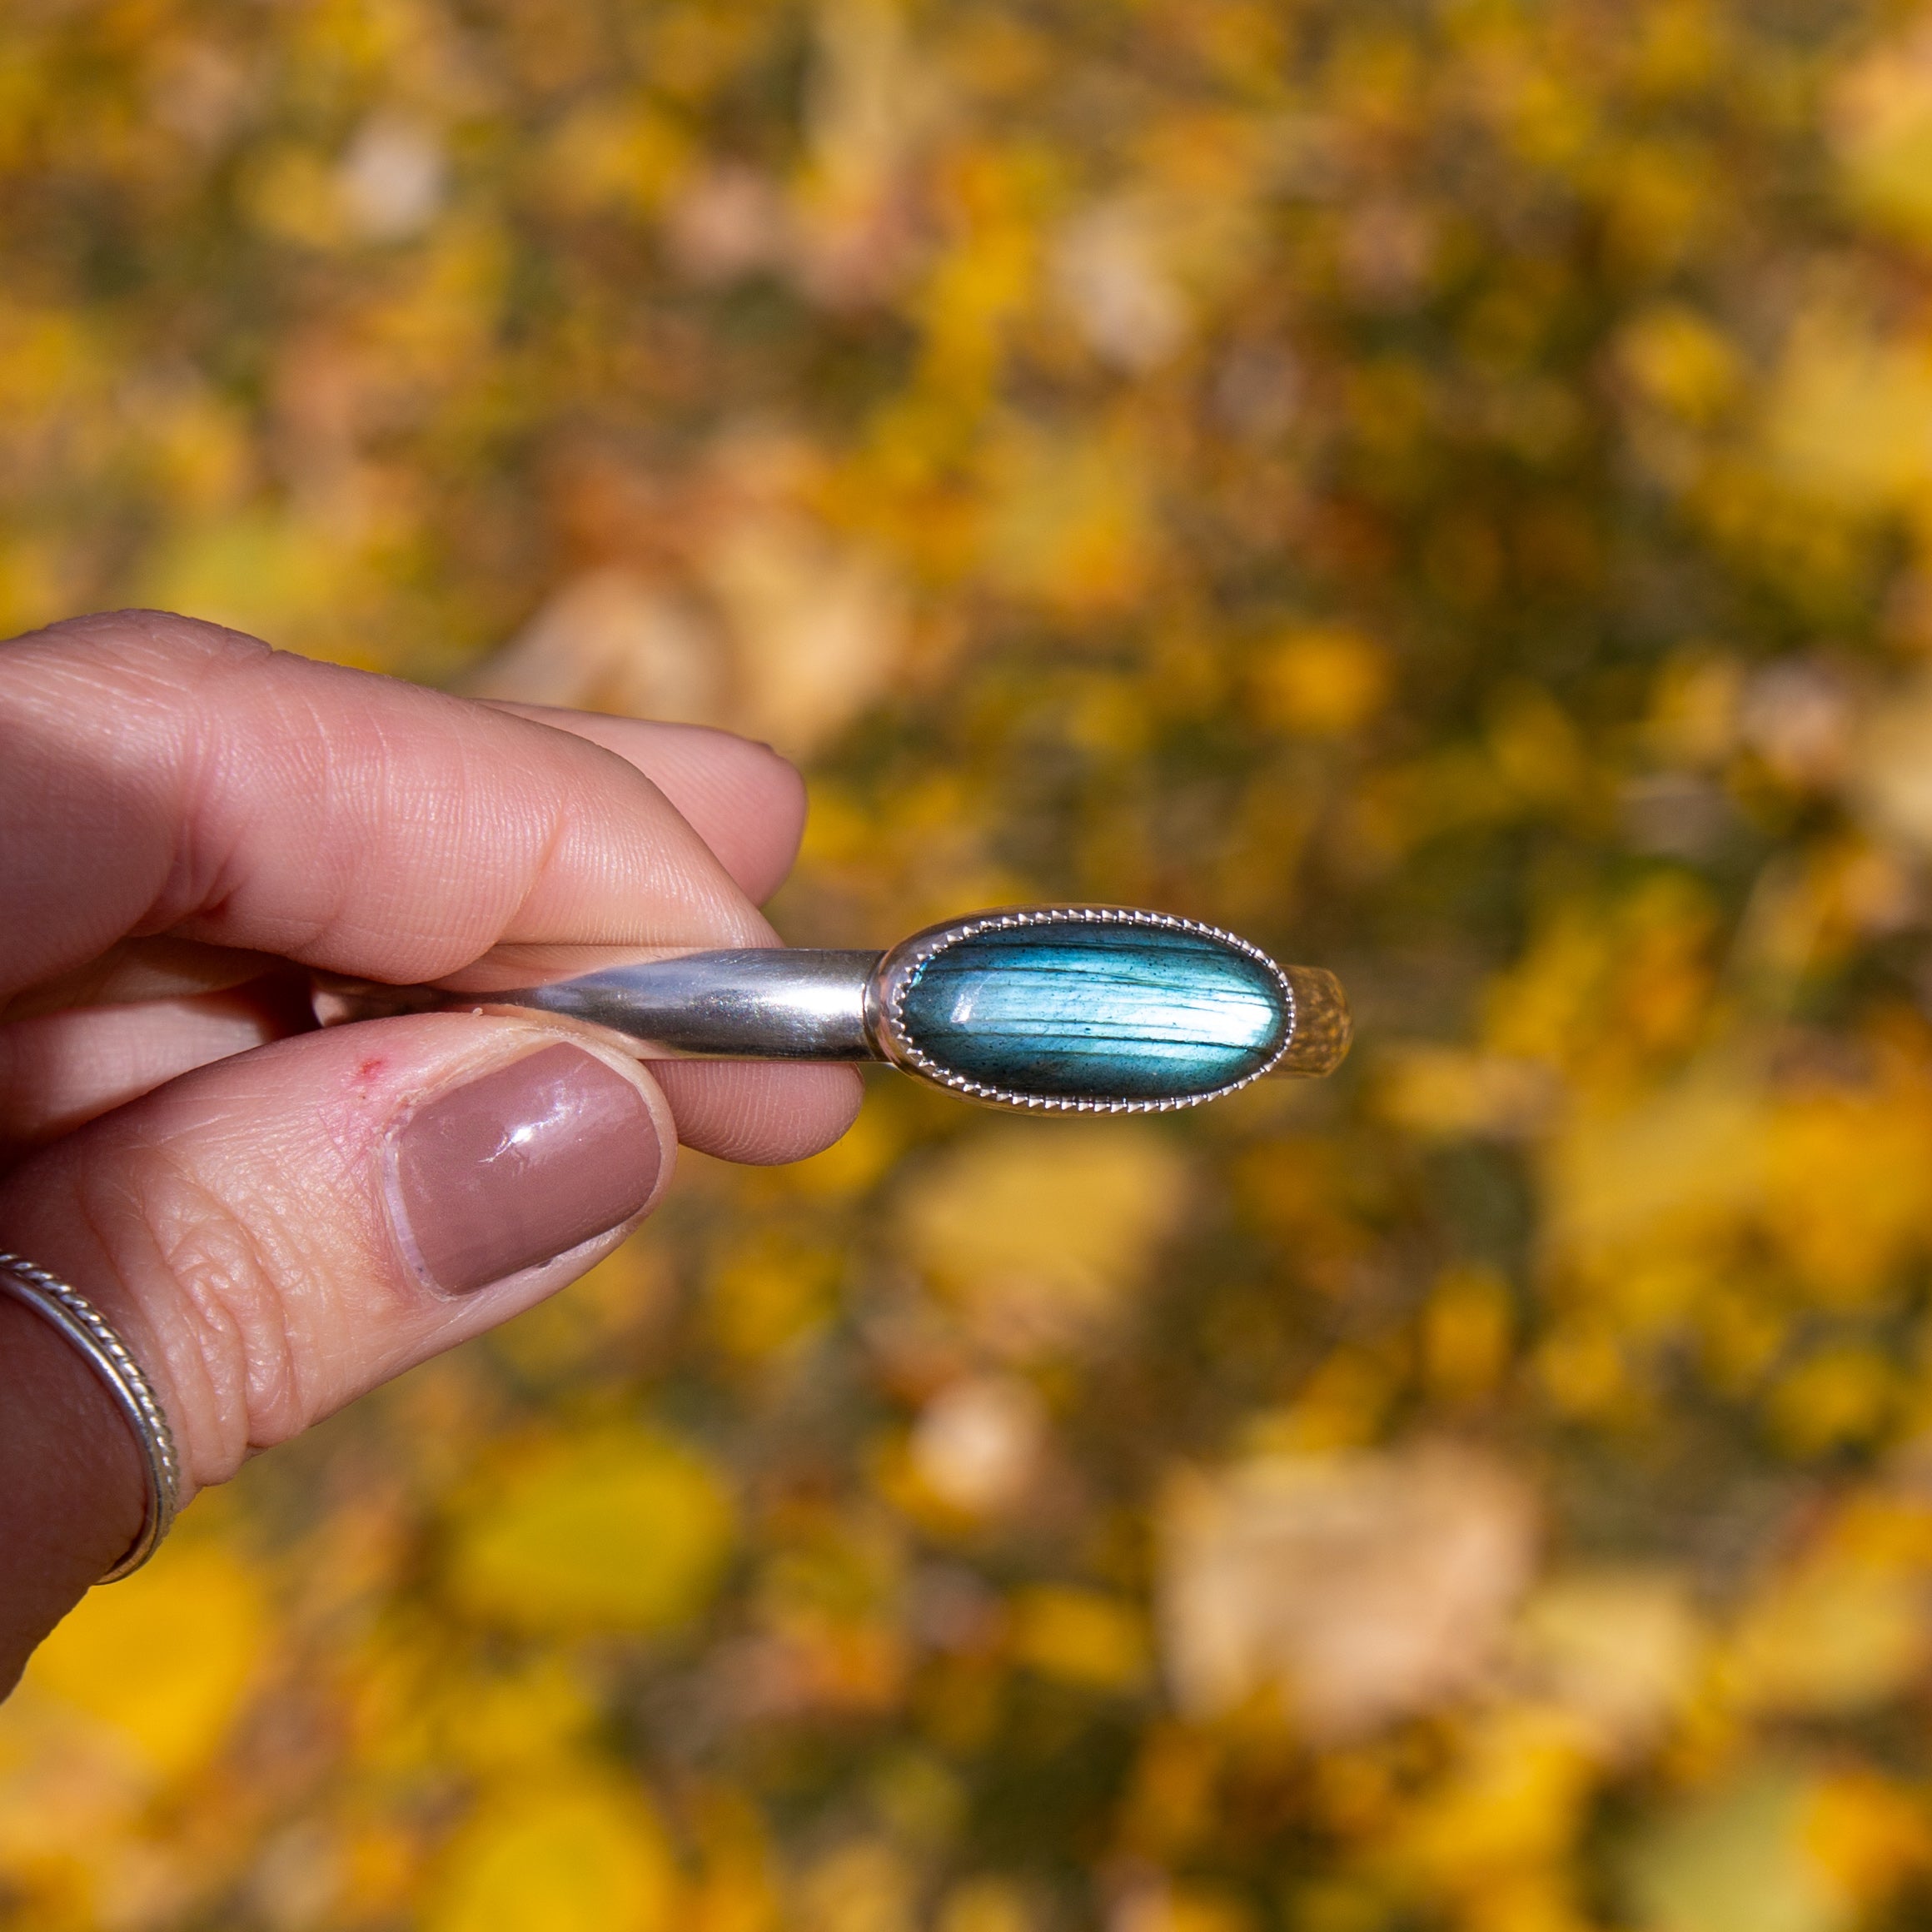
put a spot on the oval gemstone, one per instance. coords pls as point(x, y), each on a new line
point(1079, 1011)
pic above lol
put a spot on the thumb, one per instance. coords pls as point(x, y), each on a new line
point(278, 1233)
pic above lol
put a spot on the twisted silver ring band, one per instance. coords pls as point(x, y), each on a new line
point(77, 1319)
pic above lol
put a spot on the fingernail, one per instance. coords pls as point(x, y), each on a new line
point(521, 1165)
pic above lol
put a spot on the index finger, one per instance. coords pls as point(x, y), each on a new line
point(169, 776)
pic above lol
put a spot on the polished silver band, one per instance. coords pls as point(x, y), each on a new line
point(108, 1355)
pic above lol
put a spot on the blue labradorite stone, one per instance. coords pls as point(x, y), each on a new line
point(1076, 1011)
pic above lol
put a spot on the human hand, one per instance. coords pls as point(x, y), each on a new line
point(275, 1219)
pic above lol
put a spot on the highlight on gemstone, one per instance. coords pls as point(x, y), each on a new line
point(1089, 1009)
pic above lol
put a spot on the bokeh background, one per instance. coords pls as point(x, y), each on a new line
point(1441, 486)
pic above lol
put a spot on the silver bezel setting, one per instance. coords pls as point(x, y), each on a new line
point(900, 969)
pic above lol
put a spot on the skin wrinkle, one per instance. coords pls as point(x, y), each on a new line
point(664, 878)
point(663, 882)
point(570, 822)
point(667, 876)
point(243, 1273)
point(193, 881)
point(337, 930)
point(299, 721)
point(562, 827)
point(294, 755)
point(326, 779)
point(148, 675)
point(233, 1290)
point(230, 1321)
point(719, 798)
point(711, 778)
point(197, 761)
point(157, 768)
point(221, 1326)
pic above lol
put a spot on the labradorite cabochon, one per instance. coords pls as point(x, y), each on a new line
point(1086, 1011)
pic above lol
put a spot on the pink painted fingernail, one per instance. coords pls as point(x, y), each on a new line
point(521, 1165)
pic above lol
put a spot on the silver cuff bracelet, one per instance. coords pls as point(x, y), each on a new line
point(77, 1319)
point(1083, 1009)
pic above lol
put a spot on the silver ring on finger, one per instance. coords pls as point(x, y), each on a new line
point(64, 1308)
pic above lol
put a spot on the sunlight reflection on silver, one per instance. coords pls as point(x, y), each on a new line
point(1049, 1008)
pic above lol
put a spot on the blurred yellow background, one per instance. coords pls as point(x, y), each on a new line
point(1441, 486)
